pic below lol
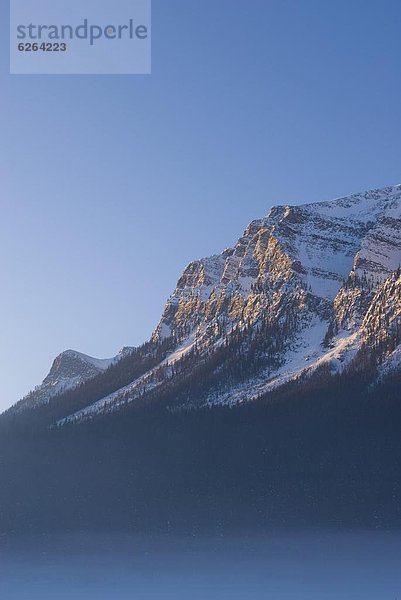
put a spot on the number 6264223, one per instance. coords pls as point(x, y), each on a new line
point(44, 47)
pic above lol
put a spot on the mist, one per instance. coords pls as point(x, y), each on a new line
point(319, 566)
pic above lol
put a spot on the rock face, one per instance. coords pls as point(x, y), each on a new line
point(305, 286)
point(309, 250)
point(381, 326)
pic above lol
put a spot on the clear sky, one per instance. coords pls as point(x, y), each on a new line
point(110, 185)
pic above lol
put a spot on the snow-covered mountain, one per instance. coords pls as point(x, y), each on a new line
point(308, 286)
point(313, 247)
point(69, 370)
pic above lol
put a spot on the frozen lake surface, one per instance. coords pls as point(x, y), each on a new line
point(276, 567)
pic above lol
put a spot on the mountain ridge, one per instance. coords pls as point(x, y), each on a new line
point(299, 290)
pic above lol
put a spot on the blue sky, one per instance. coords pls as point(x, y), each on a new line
point(110, 185)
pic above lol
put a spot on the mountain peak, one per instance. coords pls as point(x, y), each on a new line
point(72, 363)
point(69, 369)
point(316, 243)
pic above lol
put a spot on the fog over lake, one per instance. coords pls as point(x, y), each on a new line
point(277, 567)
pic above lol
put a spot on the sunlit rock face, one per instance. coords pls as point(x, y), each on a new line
point(328, 257)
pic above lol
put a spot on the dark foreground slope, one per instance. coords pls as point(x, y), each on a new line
point(322, 454)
